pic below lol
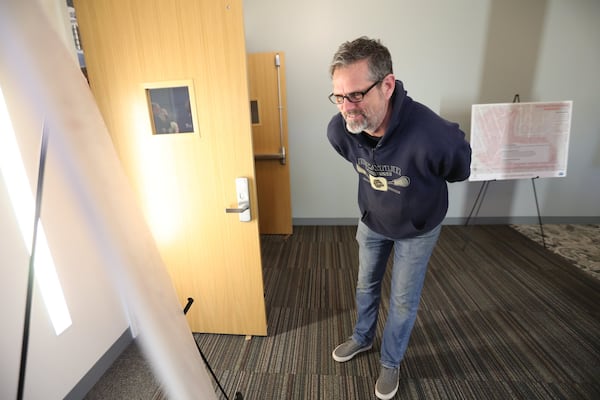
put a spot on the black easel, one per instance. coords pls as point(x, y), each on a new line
point(238, 395)
point(483, 190)
point(30, 279)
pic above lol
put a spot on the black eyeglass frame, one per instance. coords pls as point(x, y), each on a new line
point(338, 99)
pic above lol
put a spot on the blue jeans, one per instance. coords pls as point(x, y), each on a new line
point(411, 257)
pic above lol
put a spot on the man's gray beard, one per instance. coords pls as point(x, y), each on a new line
point(356, 128)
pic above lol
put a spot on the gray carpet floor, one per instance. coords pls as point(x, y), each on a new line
point(501, 317)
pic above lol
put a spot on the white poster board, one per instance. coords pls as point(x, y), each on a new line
point(520, 140)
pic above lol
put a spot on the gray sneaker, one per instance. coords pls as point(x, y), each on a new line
point(348, 349)
point(387, 384)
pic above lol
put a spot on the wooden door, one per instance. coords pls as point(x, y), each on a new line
point(184, 181)
point(266, 73)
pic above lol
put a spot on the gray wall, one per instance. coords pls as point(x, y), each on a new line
point(450, 55)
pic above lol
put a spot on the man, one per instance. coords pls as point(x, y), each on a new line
point(404, 154)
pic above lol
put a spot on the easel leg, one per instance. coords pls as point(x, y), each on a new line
point(477, 204)
point(482, 190)
point(238, 395)
point(538, 211)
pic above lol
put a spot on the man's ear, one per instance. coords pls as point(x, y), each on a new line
point(388, 84)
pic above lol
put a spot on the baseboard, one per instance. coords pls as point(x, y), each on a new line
point(522, 220)
point(463, 220)
point(325, 221)
point(102, 365)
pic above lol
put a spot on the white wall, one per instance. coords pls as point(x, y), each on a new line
point(449, 54)
point(55, 364)
point(105, 256)
point(14, 262)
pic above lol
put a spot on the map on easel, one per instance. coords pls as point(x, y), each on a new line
point(520, 140)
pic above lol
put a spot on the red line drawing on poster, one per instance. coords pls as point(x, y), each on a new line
point(520, 140)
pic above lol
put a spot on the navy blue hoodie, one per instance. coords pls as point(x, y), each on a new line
point(402, 189)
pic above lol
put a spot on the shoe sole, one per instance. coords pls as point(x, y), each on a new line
point(349, 357)
point(386, 396)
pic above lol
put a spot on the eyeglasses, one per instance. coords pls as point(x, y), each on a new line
point(354, 97)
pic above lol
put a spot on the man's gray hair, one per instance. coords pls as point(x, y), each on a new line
point(377, 55)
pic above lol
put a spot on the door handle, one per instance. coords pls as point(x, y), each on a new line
point(243, 200)
point(243, 208)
